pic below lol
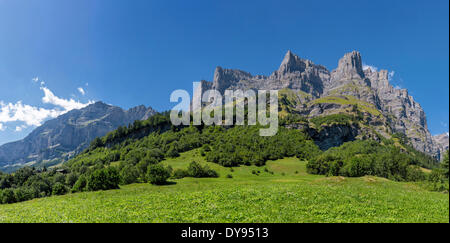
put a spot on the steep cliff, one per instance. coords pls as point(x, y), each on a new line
point(441, 141)
point(317, 91)
point(68, 134)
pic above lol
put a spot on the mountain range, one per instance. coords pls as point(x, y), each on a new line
point(315, 91)
point(65, 136)
point(307, 89)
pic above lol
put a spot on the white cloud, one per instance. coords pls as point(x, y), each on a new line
point(373, 68)
point(34, 116)
point(81, 90)
point(30, 115)
point(50, 98)
point(35, 79)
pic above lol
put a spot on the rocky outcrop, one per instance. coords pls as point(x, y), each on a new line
point(441, 141)
point(398, 109)
point(299, 74)
point(68, 134)
point(405, 114)
point(294, 73)
point(333, 135)
point(349, 79)
point(349, 68)
point(225, 78)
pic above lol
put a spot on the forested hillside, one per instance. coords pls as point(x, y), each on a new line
point(133, 154)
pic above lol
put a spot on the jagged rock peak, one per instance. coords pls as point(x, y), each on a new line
point(349, 67)
point(137, 108)
point(140, 112)
point(99, 104)
point(292, 63)
point(223, 78)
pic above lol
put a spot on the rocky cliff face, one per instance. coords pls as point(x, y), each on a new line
point(405, 114)
point(294, 73)
point(333, 92)
point(68, 134)
point(349, 79)
point(441, 141)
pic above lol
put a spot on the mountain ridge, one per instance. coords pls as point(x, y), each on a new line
point(319, 92)
point(312, 81)
point(61, 138)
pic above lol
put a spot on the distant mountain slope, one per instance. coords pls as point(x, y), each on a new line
point(442, 141)
point(62, 137)
point(323, 92)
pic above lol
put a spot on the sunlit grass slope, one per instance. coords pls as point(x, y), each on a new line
point(281, 191)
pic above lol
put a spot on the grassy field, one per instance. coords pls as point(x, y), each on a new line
point(287, 195)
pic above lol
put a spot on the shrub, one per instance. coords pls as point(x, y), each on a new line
point(129, 174)
point(103, 179)
point(196, 170)
point(445, 165)
point(23, 194)
point(59, 189)
point(158, 174)
point(172, 152)
point(7, 196)
point(58, 177)
point(40, 185)
point(71, 179)
point(229, 176)
point(142, 167)
point(436, 175)
point(179, 173)
point(307, 150)
point(321, 164)
point(413, 173)
point(6, 181)
point(22, 175)
point(155, 153)
point(80, 184)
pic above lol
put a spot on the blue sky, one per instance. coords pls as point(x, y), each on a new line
point(128, 53)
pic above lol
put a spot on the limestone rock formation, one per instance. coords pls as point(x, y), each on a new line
point(294, 73)
point(347, 83)
point(441, 141)
point(68, 134)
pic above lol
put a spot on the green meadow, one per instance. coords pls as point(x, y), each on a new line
point(280, 191)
